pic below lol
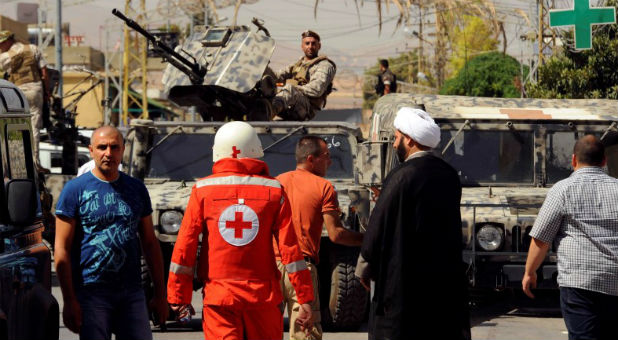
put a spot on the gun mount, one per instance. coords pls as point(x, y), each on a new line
point(222, 71)
point(193, 70)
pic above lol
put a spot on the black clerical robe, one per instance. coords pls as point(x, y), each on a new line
point(413, 246)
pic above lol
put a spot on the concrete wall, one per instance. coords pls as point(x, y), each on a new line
point(89, 109)
point(18, 28)
point(85, 56)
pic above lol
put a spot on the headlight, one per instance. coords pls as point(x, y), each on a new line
point(170, 221)
point(490, 237)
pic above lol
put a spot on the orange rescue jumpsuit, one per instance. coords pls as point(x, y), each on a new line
point(238, 209)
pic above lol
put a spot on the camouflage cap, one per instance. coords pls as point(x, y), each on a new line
point(4, 35)
point(310, 33)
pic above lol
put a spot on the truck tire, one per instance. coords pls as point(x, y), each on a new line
point(348, 298)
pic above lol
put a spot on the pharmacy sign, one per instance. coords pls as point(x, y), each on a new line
point(582, 17)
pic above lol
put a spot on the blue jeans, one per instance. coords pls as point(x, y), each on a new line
point(118, 310)
point(589, 315)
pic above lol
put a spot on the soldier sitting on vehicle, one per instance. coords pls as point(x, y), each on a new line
point(307, 82)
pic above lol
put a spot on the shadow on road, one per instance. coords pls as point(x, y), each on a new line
point(176, 327)
point(487, 306)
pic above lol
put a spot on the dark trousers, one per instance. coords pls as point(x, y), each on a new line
point(589, 315)
point(118, 310)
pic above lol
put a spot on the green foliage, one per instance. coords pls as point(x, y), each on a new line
point(487, 75)
point(403, 66)
point(172, 28)
point(581, 74)
point(475, 38)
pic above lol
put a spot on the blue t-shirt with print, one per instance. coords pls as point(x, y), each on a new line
point(105, 249)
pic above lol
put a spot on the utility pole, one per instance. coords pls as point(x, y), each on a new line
point(420, 37)
point(39, 38)
point(440, 46)
point(168, 16)
point(58, 44)
point(546, 35)
point(134, 65)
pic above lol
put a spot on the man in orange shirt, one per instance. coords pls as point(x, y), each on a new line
point(314, 203)
point(238, 210)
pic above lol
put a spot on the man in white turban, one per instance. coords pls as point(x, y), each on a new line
point(415, 131)
point(420, 288)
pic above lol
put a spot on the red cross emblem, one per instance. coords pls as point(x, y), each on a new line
point(235, 152)
point(238, 224)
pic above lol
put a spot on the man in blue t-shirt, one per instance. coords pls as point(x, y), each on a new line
point(101, 218)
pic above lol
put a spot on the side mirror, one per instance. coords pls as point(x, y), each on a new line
point(137, 144)
point(22, 201)
point(370, 163)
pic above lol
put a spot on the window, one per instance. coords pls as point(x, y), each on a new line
point(486, 157)
point(13, 100)
point(19, 152)
point(560, 150)
point(611, 153)
point(189, 156)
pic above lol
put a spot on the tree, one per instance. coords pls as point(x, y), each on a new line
point(474, 38)
point(492, 74)
point(443, 16)
point(581, 74)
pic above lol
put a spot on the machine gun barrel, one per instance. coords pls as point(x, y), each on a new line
point(194, 70)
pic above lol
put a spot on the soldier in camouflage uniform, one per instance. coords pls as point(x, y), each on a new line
point(307, 82)
point(26, 68)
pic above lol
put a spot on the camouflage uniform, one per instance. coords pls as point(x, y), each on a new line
point(28, 78)
point(386, 78)
point(302, 100)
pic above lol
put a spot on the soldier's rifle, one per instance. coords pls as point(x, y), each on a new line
point(192, 69)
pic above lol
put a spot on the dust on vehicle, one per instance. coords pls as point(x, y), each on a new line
point(220, 70)
point(170, 156)
point(508, 152)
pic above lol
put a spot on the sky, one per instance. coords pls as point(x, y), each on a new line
point(353, 40)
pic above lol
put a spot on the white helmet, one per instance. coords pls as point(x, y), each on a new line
point(236, 140)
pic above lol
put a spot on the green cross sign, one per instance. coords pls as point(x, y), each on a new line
point(582, 17)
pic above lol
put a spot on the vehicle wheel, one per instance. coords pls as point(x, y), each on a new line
point(348, 298)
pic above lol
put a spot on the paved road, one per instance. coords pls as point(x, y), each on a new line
point(508, 317)
point(499, 318)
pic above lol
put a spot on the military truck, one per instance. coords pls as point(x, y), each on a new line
point(508, 152)
point(171, 156)
point(221, 71)
point(27, 308)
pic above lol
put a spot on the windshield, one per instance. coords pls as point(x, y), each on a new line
point(189, 156)
point(559, 152)
point(560, 149)
point(486, 157)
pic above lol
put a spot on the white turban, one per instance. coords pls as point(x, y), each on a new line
point(418, 125)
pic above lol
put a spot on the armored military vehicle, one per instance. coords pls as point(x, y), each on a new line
point(508, 152)
point(220, 70)
point(170, 156)
point(27, 308)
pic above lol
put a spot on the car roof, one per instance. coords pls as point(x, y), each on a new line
point(12, 100)
point(461, 107)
